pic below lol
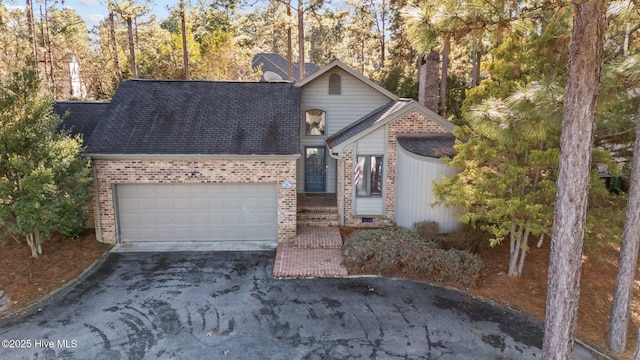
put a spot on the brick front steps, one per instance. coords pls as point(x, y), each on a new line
point(317, 216)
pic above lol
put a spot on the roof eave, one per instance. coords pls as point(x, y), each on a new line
point(202, 157)
point(413, 106)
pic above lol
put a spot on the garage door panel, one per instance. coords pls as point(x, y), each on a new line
point(197, 212)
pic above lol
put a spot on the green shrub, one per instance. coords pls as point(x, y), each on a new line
point(427, 229)
point(468, 238)
point(400, 252)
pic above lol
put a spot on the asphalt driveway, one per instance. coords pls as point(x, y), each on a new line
point(226, 305)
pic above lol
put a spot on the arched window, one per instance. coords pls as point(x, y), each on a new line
point(335, 84)
point(314, 122)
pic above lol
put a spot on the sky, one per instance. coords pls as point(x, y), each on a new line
point(93, 11)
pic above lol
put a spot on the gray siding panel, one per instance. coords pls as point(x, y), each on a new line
point(197, 212)
point(357, 100)
point(414, 194)
point(369, 206)
point(372, 144)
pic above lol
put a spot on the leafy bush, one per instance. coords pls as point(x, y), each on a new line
point(427, 229)
point(400, 252)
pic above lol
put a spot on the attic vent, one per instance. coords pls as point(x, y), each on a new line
point(335, 84)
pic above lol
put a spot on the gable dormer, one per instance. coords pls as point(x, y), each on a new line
point(343, 94)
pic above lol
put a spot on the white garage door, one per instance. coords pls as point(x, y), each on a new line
point(197, 212)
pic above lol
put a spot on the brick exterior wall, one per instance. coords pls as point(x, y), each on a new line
point(412, 123)
point(110, 172)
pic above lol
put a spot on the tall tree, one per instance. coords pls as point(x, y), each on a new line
point(576, 145)
point(628, 261)
point(630, 245)
point(185, 51)
point(508, 162)
point(114, 40)
point(44, 180)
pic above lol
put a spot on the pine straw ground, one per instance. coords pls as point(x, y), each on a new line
point(26, 280)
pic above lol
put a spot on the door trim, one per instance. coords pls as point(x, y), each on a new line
point(324, 169)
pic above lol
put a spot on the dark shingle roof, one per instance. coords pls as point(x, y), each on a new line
point(430, 145)
point(80, 117)
point(200, 117)
point(366, 122)
point(276, 63)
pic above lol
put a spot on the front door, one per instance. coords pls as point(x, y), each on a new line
point(315, 165)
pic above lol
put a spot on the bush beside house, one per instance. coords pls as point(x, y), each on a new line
point(401, 252)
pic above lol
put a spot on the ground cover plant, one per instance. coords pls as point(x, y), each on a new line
point(397, 251)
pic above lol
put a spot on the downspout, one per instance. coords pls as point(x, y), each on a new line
point(340, 159)
point(96, 195)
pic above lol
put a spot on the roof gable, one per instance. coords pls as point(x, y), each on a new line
point(338, 64)
point(199, 117)
point(382, 116)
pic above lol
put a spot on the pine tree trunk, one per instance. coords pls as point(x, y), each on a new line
point(289, 50)
point(114, 41)
point(132, 50)
point(576, 145)
point(32, 34)
point(185, 51)
point(300, 40)
point(445, 74)
point(628, 259)
point(474, 65)
point(636, 354)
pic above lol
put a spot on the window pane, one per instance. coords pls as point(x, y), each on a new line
point(314, 122)
point(376, 175)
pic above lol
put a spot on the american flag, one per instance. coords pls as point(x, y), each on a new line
point(356, 174)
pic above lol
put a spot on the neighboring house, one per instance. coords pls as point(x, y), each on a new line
point(276, 64)
point(186, 161)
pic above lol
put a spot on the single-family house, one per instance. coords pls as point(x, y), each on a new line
point(190, 161)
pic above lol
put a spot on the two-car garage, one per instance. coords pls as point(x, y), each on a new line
point(197, 212)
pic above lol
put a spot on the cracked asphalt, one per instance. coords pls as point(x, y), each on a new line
point(226, 305)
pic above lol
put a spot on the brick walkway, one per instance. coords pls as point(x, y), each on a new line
point(316, 252)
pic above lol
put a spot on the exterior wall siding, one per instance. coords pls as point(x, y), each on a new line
point(356, 100)
point(411, 123)
point(111, 172)
point(415, 200)
point(372, 144)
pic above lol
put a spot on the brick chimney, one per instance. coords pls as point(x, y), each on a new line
point(428, 80)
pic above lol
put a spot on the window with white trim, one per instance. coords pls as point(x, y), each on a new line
point(368, 176)
point(314, 122)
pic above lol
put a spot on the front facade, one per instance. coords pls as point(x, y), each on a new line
point(188, 162)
